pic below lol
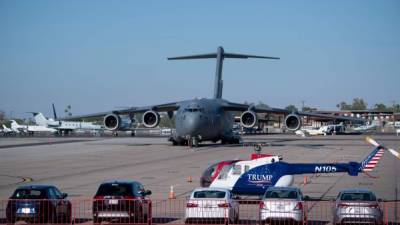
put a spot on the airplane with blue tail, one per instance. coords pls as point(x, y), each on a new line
point(255, 176)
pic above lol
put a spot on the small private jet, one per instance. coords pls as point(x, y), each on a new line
point(30, 129)
point(6, 131)
point(255, 176)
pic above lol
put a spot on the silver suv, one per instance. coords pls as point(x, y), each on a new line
point(357, 206)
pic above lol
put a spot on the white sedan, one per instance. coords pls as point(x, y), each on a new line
point(211, 205)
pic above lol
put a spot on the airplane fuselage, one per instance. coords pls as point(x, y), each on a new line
point(203, 119)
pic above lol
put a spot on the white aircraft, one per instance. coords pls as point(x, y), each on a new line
point(365, 128)
point(323, 130)
point(64, 126)
point(30, 129)
point(7, 131)
point(312, 131)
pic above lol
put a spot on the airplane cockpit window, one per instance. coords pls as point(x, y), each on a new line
point(194, 108)
point(246, 168)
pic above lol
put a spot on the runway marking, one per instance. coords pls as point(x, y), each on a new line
point(26, 180)
point(43, 143)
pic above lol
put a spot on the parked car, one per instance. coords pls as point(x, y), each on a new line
point(121, 201)
point(38, 204)
point(283, 204)
point(357, 206)
point(211, 205)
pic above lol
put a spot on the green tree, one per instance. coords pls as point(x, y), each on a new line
point(380, 107)
point(2, 115)
point(359, 104)
point(165, 121)
point(344, 106)
point(291, 108)
point(309, 109)
point(262, 104)
point(395, 108)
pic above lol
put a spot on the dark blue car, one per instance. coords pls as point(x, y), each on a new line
point(38, 204)
point(121, 201)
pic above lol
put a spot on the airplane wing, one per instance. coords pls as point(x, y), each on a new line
point(230, 106)
point(168, 107)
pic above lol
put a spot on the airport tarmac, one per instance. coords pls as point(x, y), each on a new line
point(78, 165)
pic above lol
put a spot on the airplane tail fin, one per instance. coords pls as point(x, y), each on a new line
point(220, 55)
point(54, 112)
point(14, 124)
point(40, 119)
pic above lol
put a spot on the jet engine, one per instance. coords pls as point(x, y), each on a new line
point(293, 122)
point(248, 119)
point(151, 119)
point(117, 122)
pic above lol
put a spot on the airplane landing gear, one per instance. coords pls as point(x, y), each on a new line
point(194, 142)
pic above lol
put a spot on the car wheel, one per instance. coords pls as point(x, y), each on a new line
point(96, 220)
point(145, 218)
point(66, 218)
point(10, 220)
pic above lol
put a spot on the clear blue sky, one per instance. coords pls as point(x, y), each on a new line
point(98, 55)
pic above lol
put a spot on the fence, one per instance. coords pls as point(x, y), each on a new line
point(181, 211)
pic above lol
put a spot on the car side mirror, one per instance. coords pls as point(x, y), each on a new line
point(147, 192)
point(64, 195)
point(307, 198)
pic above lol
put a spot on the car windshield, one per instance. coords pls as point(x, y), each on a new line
point(286, 194)
point(114, 190)
point(358, 197)
point(29, 194)
point(209, 194)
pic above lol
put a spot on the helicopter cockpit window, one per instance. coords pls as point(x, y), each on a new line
point(224, 173)
point(237, 170)
point(210, 171)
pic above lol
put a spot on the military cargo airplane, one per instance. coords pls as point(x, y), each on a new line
point(206, 119)
point(253, 177)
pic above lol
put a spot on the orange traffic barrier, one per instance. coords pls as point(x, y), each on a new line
point(306, 180)
point(171, 194)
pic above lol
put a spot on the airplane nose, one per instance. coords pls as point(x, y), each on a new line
point(192, 124)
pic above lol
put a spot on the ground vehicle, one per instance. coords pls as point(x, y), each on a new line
point(38, 204)
point(357, 206)
point(283, 204)
point(211, 204)
point(122, 201)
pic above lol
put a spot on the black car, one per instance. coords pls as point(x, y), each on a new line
point(38, 204)
point(121, 201)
